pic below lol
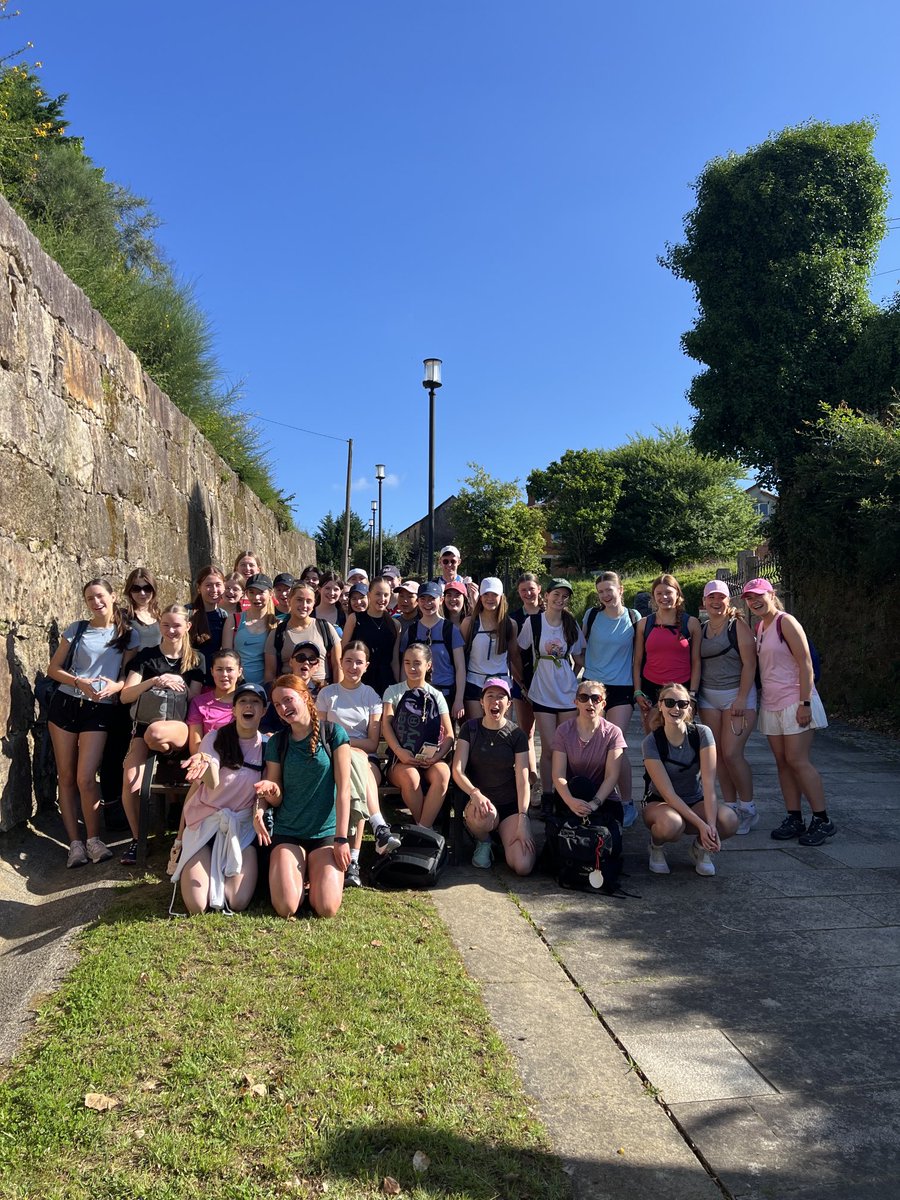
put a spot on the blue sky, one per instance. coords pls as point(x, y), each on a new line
point(355, 186)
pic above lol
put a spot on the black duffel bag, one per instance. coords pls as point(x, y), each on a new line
point(416, 863)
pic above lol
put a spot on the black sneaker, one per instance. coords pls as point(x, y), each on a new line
point(791, 827)
point(818, 831)
point(129, 858)
point(385, 841)
point(351, 875)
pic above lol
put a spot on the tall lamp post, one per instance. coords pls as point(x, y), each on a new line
point(432, 382)
point(379, 475)
point(372, 527)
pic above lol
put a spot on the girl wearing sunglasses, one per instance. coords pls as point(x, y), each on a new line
point(680, 761)
point(141, 607)
point(587, 755)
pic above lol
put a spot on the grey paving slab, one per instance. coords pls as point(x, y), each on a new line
point(861, 854)
point(777, 916)
point(885, 909)
point(801, 1146)
point(835, 882)
point(695, 1064)
point(866, 948)
point(794, 1056)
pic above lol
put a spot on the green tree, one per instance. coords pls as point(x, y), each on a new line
point(329, 539)
point(496, 531)
point(676, 503)
point(779, 248)
point(579, 495)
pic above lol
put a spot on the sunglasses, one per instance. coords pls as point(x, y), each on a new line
point(305, 658)
point(141, 587)
point(589, 698)
point(669, 702)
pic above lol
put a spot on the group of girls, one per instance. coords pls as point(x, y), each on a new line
point(330, 664)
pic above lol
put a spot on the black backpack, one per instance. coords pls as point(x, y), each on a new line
point(325, 633)
point(416, 863)
point(662, 746)
point(586, 852)
point(417, 721)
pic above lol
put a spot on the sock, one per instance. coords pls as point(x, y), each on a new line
point(746, 806)
point(795, 814)
point(354, 855)
point(822, 815)
point(376, 820)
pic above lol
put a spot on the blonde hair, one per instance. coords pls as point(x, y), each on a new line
point(296, 684)
point(190, 659)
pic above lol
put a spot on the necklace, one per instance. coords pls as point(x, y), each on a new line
point(715, 630)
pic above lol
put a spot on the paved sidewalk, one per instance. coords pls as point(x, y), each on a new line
point(762, 1004)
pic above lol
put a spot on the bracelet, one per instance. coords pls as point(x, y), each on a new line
point(342, 841)
point(640, 693)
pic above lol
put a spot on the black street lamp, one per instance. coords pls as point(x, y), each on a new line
point(379, 475)
point(432, 382)
point(372, 543)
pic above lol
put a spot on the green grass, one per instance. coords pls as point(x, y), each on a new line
point(363, 1037)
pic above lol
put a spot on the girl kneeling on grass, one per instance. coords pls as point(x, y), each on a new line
point(680, 759)
point(217, 866)
point(307, 781)
point(357, 708)
point(490, 766)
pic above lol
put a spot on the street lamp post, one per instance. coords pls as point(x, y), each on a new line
point(372, 547)
point(379, 475)
point(432, 382)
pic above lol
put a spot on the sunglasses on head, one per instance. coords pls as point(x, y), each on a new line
point(671, 702)
point(589, 698)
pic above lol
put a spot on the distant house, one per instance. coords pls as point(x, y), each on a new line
point(764, 503)
point(417, 536)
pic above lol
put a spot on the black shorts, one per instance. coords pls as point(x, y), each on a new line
point(75, 714)
point(472, 692)
point(307, 844)
point(504, 810)
point(555, 711)
point(618, 695)
point(652, 690)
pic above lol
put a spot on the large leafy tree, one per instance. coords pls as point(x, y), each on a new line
point(779, 248)
point(495, 529)
point(676, 503)
point(579, 494)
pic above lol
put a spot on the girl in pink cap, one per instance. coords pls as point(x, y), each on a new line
point(789, 712)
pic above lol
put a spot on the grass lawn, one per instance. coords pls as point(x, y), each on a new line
point(251, 1057)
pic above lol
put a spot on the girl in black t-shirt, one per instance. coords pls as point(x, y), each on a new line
point(490, 765)
point(171, 669)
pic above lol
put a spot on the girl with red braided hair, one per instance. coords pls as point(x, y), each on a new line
point(306, 780)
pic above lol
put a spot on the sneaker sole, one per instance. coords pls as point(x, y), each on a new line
point(102, 858)
point(82, 862)
point(806, 840)
point(393, 844)
point(777, 836)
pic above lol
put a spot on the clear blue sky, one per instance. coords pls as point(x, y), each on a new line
point(355, 186)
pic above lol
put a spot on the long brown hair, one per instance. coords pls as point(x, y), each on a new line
point(199, 623)
point(141, 575)
point(502, 625)
point(296, 684)
point(121, 623)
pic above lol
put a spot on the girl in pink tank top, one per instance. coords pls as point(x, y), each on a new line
point(669, 652)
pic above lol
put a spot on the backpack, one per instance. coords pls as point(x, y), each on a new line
point(411, 633)
point(46, 688)
point(732, 641)
point(592, 613)
point(537, 627)
point(662, 747)
point(417, 722)
point(651, 623)
point(325, 633)
point(813, 652)
point(475, 628)
point(416, 863)
point(586, 851)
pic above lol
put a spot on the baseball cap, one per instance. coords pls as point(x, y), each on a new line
point(454, 550)
point(716, 587)
point(431, 589)
point(455, 586)
point(409, 586)
point(255, 689)
point(360, 587)
point(355, 572)
point(497, 681)
point(757, 587)
point(284, 578)
point(559, 583)
point(491, 584)
point(262, 583)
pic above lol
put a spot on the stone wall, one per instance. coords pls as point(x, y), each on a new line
point(99, 473)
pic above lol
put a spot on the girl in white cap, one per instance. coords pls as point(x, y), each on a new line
point(491, 648)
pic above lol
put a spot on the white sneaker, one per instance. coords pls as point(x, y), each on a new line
point(658, 864)
point(77, 855)
point(703, 864)
point(98, 851)
point(748, 817)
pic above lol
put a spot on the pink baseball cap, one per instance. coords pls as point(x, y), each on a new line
point(497, 682)
point(455, 586)
point(716, 587)
point(757, 587)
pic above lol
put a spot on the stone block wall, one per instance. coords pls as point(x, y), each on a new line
point(99, 473)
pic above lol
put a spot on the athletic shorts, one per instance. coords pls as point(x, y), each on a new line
point(617, 695)
point(307, 844)
point(722, 700)
point(783, 722)
point(504, 810)
point(544, 708)
point(77, 715)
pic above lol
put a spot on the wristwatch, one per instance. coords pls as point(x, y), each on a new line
point(806, 703)
point(341, 841)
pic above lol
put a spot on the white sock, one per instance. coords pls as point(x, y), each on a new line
point(376, 820)
point(354, 855)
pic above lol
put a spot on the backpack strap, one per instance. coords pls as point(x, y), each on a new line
point(536, 629)
point(591, 618)
point(662, 745)
point(447, 633)
point(279, 646)
point(73, 645)
point(686, 626)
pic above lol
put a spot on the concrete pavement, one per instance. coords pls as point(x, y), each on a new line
point(761, 1006)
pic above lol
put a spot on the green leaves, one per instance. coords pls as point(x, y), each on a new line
point(579, 494)
point(494, 527)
